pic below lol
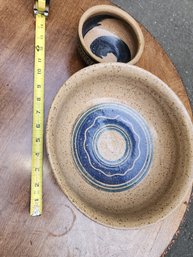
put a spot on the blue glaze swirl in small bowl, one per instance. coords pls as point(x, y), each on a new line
point(109, 34)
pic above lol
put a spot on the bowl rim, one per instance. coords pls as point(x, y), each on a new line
point(163, 90)
point(115, 12)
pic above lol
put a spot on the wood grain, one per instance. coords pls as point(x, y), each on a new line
point(62, 230)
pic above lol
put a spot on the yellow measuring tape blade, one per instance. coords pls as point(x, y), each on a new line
point(38, 118)
point(41, 5)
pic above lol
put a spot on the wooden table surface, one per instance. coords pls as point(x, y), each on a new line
point(62, 230)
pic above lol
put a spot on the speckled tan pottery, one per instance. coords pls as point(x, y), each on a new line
point(120, 143)
point(109, 34)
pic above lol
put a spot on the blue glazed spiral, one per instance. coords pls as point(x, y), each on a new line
point(112, 147)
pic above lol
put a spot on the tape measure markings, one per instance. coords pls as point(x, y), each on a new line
point(38, 116)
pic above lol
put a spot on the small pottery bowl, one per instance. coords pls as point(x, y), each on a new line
point(109, 34)
point(120, 143)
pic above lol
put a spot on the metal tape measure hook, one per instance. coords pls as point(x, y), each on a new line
point(45, 12)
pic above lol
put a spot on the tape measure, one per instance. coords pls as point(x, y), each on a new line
point(40, 11)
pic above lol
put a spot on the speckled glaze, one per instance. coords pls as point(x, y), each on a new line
point(170, 174)
point(109, 34)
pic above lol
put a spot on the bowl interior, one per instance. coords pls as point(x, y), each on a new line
point(169, 173)
point(109, 38)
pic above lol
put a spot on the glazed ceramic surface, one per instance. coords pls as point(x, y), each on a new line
point(103, 43)
point(120, 145)
point(112, 147)
point(108, 34)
